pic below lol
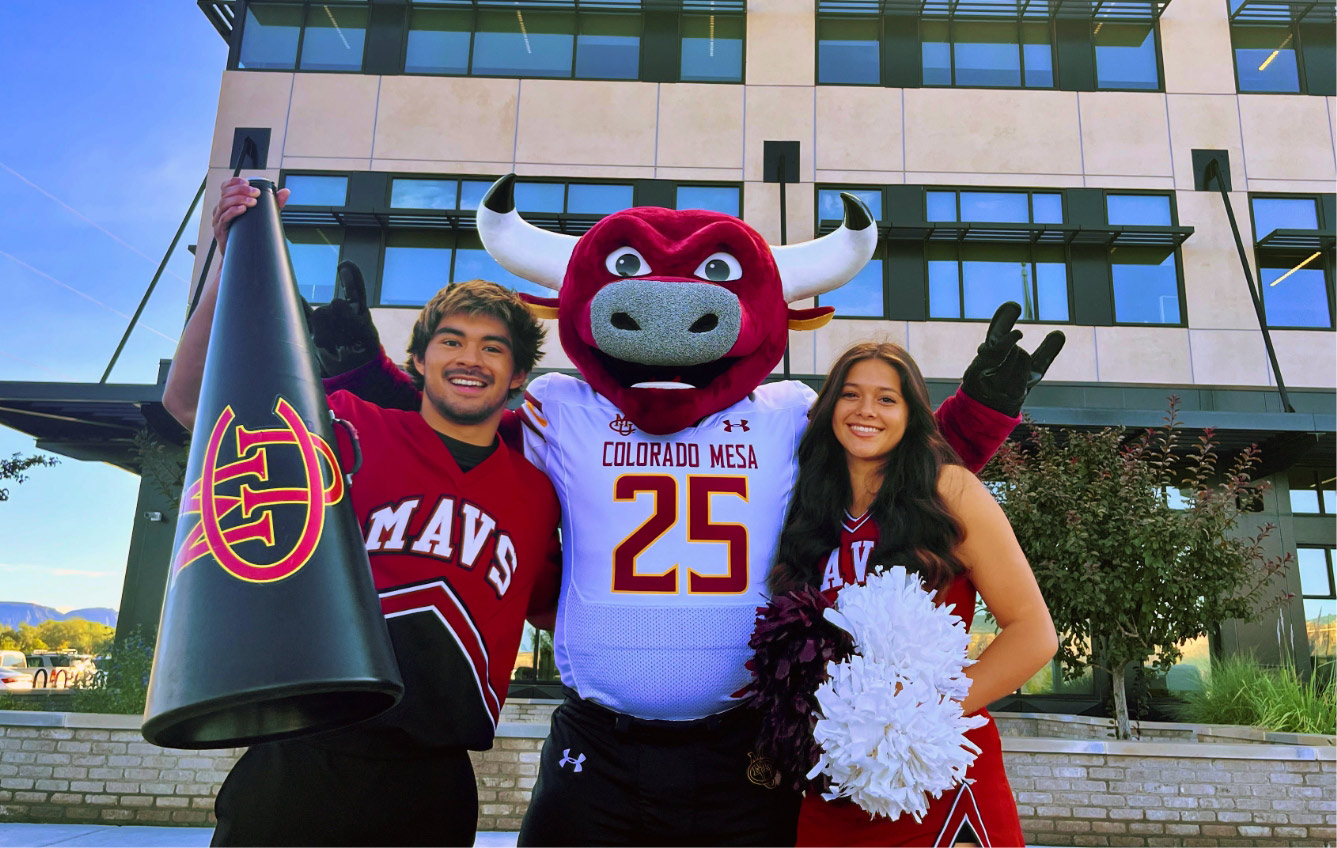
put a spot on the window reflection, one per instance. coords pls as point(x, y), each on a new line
point(1146, 285)
point(314, 252)
point(831, 208)
point(1265, 58)
point(438, 41)
point(848, 51)
point(718, 198)
point(608, 47)
point(862, 296)
point(1125, 56)
point(986, 53)
point(334, 37)
point(416, 267)
point(316, 190)
point(423, 194)
point(523, 43)
point(269, 37)
point(712, 48)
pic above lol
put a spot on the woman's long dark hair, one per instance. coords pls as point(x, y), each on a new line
point(915, 528)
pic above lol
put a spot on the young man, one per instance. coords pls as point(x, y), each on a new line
point(460, 530)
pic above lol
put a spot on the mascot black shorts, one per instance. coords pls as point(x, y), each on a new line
point(610, 779)
point(296, 793)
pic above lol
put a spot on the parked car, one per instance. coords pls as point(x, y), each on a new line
point(58, 669)
point(14, 672)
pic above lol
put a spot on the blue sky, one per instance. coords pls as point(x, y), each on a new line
point(109, 111)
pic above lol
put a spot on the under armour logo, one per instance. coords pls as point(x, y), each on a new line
point(567, 758)
point(621, 426)
point(729, 425)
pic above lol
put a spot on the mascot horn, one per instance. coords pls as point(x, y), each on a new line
point(270, 626)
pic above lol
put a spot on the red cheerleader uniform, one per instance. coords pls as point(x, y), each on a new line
point(985, 805)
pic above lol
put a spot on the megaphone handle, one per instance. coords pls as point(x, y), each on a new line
point(352, 438)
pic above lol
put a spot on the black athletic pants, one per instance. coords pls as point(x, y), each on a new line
point(296, 793)
point(610, 779)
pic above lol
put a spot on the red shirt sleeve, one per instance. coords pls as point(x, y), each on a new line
point(974, 430)
point(542, 612)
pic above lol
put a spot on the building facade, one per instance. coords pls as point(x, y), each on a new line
point(1053, 154)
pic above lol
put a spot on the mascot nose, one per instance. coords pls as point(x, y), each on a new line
point(653, 322)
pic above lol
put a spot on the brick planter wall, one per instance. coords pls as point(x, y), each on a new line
point(71, 767)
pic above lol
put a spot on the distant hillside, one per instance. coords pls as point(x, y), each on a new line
point(12, 614)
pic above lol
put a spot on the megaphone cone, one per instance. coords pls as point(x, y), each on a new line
point(271, 626)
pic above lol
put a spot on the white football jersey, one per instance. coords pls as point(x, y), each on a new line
point(666, 541)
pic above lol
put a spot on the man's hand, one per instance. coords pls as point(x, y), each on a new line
point(342, 330)
point(1002, 373)
point(237, 195)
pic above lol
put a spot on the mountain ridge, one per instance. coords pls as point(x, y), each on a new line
point(14, 613)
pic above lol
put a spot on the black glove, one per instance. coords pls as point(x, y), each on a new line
point(342, 330)
point(1002, 373)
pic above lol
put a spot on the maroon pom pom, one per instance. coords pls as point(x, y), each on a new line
point(793, 643)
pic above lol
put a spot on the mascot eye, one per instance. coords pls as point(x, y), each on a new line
point(626, 262)
point(719, 268)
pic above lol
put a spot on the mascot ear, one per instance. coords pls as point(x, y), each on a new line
point(810, 319)
point(543, 307)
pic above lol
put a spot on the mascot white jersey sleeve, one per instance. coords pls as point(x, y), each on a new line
point(666, 541)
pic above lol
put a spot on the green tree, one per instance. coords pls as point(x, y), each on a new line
point(12, 469)
point(1127, 575)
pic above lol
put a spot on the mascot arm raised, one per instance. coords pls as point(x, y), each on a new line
point(978, 418)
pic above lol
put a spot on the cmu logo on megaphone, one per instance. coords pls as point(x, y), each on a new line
point(288, 511)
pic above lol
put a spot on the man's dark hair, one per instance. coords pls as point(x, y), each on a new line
point(479, 297)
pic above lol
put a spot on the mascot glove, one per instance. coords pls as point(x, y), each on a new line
point(1002, 373)
point(342, 330)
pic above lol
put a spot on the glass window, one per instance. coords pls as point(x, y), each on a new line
point(314, 252)
point(831, 208)
point(861, 297)
point(1125, 55)
point(597, 198)
point(1037, 55)
point(423, 194)
point(1312, 491)
point(1051, 285)
point(316, 190)
point(1146, 285)
point(719, 198)
point(936, 50)
point(540, 197)
point(944, 282)
point(417, 266)
point(990, 275)
point(986, 53)
point(1295, 289)
point(1138, 210)
point(1320, 600)
point(608, 47)
point(994, 206)
point(1265, 58)
point(940, 205)
point(269, 36)
point(334, 37)
point(472, 262)
point(472, 192)
point(438, 41)
point(848, 50)
point(1047, 208)
point(712, 48)
point(523, 43)
point(1283, 213)
point(1315, 575)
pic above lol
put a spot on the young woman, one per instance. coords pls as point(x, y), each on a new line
point(878, 483)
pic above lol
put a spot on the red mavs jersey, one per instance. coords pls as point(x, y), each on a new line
point(454, 556)
point(984, 804)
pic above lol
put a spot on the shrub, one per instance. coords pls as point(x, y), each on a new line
point(1241, 691)
point(122, 681)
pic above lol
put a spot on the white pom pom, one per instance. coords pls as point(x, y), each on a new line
point(891, 726)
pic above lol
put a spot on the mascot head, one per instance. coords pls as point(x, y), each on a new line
point(674, 315)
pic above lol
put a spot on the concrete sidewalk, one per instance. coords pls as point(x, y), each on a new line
point(131, 836)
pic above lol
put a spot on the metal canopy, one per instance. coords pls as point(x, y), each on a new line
point(427, 219)
point(87, 421)
point(1283, 11)
point(1298, 240)
point(222, 14)
point(1095, 10)
point(705, 7)
point(1018, 233)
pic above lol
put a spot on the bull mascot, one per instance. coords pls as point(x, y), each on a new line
point(674, 465)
